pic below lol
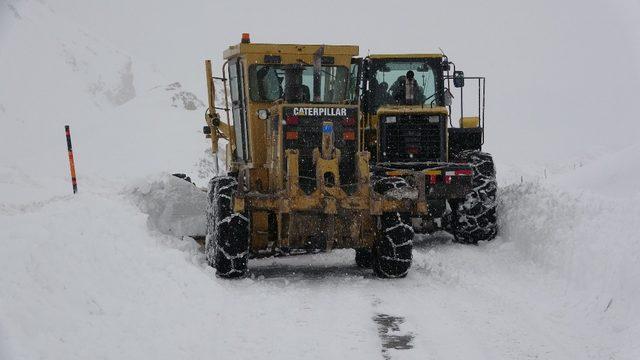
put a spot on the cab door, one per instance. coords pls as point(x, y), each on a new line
point(355, 80)
point(239, 110)
point(354, 91)
point(369, 130)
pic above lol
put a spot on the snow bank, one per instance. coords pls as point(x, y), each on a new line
point(588, 241)
point(175, 206)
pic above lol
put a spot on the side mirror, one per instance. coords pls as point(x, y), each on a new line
point(446, 66)
point(458, 79)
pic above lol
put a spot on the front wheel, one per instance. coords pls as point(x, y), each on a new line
point(392, 250)
point(474, 218)
point(227, 240)
point(391, 253)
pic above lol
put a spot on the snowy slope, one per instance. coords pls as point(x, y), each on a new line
point(93, 276)
point(614, 174)
point(117, 107)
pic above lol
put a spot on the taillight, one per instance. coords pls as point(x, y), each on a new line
point(292, 135)
point(464, 172)
point(350, 121)
point(292, 120)
point(349, 135)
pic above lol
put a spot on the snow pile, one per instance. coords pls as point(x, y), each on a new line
point(589, 241)
point(175, 206)
point(82, 278)
point(564, 266)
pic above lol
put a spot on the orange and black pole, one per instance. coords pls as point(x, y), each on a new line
point(72, 166)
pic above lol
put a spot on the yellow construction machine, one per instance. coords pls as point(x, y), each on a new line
point(407, 112)
point(298, 174)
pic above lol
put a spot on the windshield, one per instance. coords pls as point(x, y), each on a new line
point(402, 82)
point(294, 83)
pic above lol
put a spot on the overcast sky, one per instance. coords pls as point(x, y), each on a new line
point(563, 76)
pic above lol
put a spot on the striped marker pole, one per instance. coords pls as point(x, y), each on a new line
point(72, 166)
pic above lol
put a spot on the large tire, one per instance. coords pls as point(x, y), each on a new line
point(391, 256)
point(227, 240)
point(474, 218)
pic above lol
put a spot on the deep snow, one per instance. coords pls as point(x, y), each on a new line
point(95, 275)
point(83, 276)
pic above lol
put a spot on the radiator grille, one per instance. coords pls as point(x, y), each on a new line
point(309, 130)
point(411, 139)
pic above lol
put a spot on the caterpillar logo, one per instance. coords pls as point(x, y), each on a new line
point(318, 111)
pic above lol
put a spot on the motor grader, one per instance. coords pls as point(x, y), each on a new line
point(301, 127)
point(407, 126)
point(298, 179)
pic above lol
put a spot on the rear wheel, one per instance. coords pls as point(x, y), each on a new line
point(474, 218)
point(227, 239)
point(391, 253)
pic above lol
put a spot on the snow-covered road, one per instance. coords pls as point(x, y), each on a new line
point(84, 277)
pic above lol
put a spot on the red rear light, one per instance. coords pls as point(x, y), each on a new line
point(349, 121)
point(293, 120)
point(464, 172)
point(349, 135)
point(432, 179)
point(447, 179)
point(292, 135)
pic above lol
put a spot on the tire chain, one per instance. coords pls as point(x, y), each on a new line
point(220, 232)
point(477, 212)
point(396, 241)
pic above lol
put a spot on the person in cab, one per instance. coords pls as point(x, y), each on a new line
point(405, 90)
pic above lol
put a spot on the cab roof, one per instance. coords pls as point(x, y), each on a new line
point(289, 49)
point(406, 56)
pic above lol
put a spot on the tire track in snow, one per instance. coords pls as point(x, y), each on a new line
point(390, 333)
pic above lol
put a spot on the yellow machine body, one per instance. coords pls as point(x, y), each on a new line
point(283, 214)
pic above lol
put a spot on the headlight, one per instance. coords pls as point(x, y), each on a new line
point(263, 114)
point(390, 120)
point(434, 119)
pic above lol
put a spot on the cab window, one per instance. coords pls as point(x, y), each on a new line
point(239, 109)
point(294, 83)
point(412, 82)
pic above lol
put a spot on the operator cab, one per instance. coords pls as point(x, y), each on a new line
point(404, 108)
point(403, 81)
point(280, 96)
